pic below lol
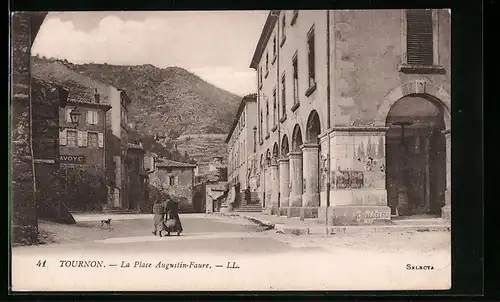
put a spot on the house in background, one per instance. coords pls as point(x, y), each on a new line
point(85, 144)
point(137, 177)
point(116, 152)
point(179, 179)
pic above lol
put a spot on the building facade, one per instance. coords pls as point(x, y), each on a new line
point(354, 119)
point(242, 145)
point(117, 146)
point(85, 144)
point(137, 177)
point(179, 180)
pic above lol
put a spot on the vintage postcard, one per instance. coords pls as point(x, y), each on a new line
point(231, 150)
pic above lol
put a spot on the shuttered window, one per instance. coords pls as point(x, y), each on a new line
point(311, 57)
point(283, 94)
point(419, 37)
point(274, 107)
point(295, 80)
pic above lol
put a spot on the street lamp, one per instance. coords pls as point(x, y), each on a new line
point(75, 118)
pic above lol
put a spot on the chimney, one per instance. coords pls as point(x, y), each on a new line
point(97, 96)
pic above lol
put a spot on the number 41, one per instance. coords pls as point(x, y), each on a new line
point(41, 263)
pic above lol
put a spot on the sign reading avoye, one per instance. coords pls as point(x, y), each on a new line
point(71, 159)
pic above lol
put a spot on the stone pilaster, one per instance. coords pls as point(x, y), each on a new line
point(284, 180)
point(357, 193)
point(310, 183)
point(446, 210)
point(324, 177)
point(267, 190)
point(296, 186)
point(275, 187)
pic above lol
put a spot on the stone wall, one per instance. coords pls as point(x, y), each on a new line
point(24, 218)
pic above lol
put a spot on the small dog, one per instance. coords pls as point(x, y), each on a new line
point(106, 222)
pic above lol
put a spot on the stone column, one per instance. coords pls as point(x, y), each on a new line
point(446, 210)
point(310, 183)
point(275, 187)
point(357, 192)
point(295, 200)
point(284, 181)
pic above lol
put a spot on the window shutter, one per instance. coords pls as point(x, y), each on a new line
point(80, 138)
point(101, 140)
point(419, 37)
point(62, 138)
point(85, 136)
point(89, 117)
point(96, 117)
point(68, 116)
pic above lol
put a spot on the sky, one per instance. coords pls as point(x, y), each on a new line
point(215, 45)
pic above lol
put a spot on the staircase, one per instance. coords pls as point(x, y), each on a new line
point(255, 205)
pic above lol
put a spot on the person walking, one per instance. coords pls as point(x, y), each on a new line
point(173, 213)
point(158, 216)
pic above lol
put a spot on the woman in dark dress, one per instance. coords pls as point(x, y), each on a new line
point(173, 213)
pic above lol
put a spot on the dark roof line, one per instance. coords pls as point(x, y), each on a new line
point(271, 20)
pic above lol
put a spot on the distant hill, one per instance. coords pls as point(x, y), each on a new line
point(170, 101)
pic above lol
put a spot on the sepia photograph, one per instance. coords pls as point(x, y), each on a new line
point(249, 150)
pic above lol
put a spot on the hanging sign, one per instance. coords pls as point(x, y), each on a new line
point(72, 159)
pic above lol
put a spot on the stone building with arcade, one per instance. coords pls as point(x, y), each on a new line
point(354, 114)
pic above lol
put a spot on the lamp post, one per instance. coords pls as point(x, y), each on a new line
point(402, 208)
point(75, 119)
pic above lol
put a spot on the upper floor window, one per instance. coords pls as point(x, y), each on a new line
point(420, 41)
point(283, 29)
point(260, 77)
point(294, 17)
point(267, 118)
point(295, 80)
point(92, 117)
point(283, 94)
point(274, 48)
point(311, 57)
point(267, 64)
point(311, 63)
point(260, 126)
point(419, 37)
point(274, 107)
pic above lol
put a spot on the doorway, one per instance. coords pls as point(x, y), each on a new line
point(415, 157)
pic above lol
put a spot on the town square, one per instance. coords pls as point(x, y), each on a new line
point(239, 150)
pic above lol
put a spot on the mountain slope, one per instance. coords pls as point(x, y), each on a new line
point(171, 101)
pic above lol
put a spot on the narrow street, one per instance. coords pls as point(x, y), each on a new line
point(293, 262)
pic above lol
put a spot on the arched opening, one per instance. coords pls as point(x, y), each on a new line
point(296, 139)
point(285, 148)
point(313, 128)
point(415, 156)
point(275, 152)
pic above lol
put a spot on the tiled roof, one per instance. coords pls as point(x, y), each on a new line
point(166, 163)
point(81, 88)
